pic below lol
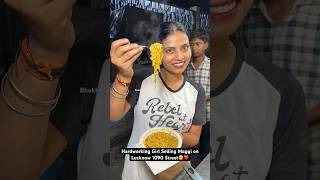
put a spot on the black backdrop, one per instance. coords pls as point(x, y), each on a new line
point(83, 68)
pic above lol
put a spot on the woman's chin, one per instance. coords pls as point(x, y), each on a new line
point(223, 31)
point(176, 70)
point(179, 71)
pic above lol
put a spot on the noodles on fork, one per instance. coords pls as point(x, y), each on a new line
point(156, 58)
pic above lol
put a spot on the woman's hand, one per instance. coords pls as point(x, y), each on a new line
point(51, 31)
point(33, 143)
point(123, 54)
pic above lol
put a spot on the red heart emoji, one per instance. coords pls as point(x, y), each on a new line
point(186, 157)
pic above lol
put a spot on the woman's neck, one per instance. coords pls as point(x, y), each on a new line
point(223, 54)
point(174, 81)
point(220, 47)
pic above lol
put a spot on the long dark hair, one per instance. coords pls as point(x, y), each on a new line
point(168, 28)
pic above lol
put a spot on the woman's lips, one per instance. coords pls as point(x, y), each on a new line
point(223, 9)
point(178, 64)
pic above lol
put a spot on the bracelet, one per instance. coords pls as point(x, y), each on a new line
point(117, 96)
point(123, 83)
point(39, 70)
point(115, 93)
point(20, 111)
point(7, 102)
point(121, 94)
point(28, 99)
point(22, 62)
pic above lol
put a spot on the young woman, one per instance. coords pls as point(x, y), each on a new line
point(259, 111)
point(174, 102)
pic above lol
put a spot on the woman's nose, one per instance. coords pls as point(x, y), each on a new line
point(180, 55)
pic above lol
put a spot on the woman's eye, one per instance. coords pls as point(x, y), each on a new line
point(169, 51)
point(185, 47)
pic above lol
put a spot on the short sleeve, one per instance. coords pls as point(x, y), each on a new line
point(289, 159)
point(200, 111)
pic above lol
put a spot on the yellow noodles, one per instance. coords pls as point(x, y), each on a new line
point(156, 58)
point(161, 140)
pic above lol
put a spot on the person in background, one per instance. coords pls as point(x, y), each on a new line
point(286, 32)
point(198, 70)
point(258, 110)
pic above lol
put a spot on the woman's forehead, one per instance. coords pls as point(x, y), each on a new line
point(175, 39)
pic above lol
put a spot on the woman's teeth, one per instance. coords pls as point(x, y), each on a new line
point(223, 8)
point(178, 65)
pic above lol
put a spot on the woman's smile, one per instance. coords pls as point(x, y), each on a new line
point(178, 64)
point(224, 9)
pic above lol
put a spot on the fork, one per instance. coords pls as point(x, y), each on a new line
point(143, 46)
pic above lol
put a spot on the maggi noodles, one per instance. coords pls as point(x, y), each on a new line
point(156, 58)
point(161, 140)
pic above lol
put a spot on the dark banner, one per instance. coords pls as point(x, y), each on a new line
point(168, 13)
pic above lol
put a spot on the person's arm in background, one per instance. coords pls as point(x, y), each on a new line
point(31, 144)
point(314, 116)
point(123, 55)
point(289, 157)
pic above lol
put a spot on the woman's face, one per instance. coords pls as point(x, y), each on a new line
point(227, 15)
point(176, 52)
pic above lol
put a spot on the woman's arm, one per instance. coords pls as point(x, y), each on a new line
point(118, 103)
point(123, 55)
point(191, 138)
point(30, 144)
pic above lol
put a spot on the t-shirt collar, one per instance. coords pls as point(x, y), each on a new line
point(240, 56)
point(262, 7)
point(204, 60)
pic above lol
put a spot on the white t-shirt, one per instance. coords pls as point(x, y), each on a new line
point(260, 126)
point(161, 106)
